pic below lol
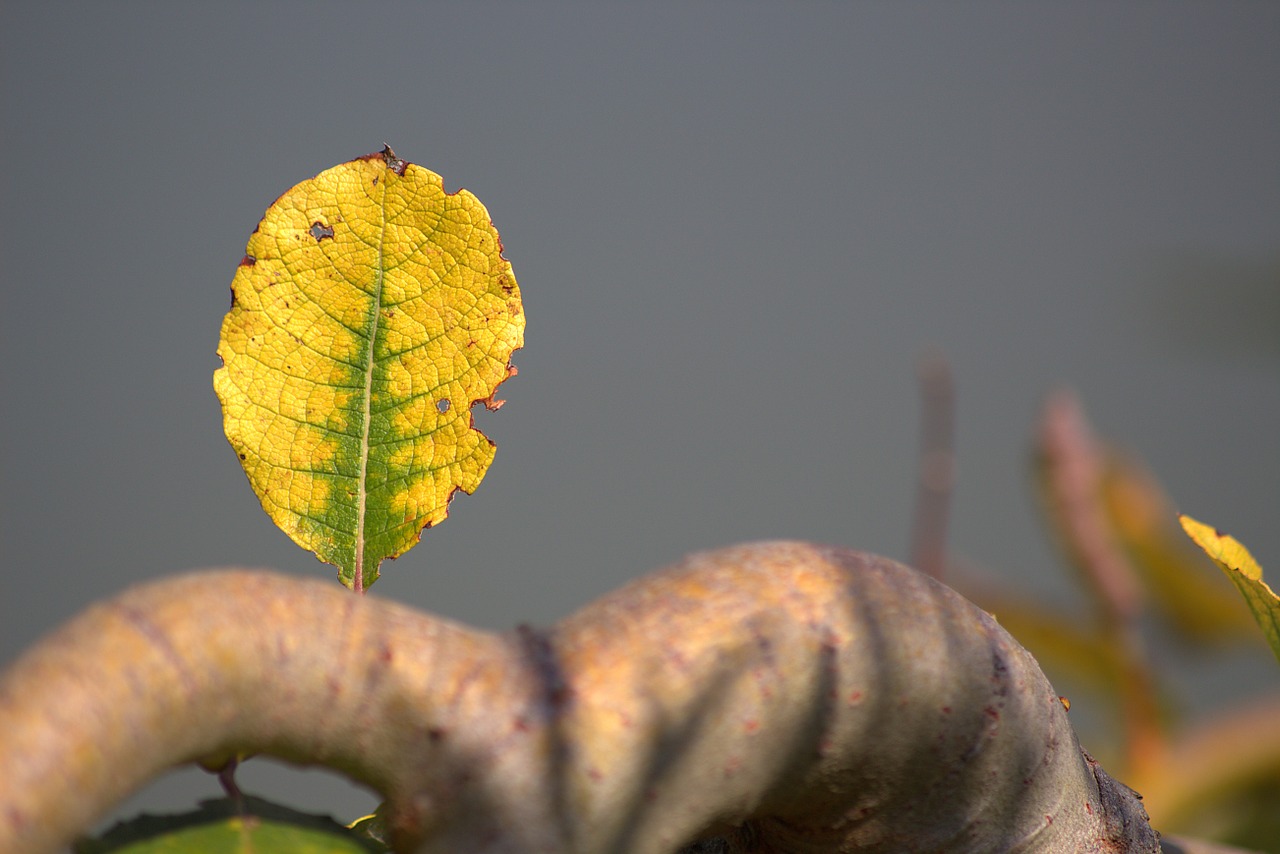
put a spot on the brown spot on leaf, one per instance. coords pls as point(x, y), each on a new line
point(248, 261)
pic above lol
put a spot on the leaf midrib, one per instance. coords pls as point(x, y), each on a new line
point(366, 406)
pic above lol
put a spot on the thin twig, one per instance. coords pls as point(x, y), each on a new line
point(937, 465)
point(1072, 469)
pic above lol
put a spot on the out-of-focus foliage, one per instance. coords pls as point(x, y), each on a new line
point(226, 826)
point(1218, 777)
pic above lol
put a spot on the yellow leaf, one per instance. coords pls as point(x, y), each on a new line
point(371, 310)
point(1244, 572)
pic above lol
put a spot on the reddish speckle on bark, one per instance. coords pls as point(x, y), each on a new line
point(750, 725)
point(732, 766)
point(946, 710)
point(994, 714)
point(594, 774)
point(436, 734)
point(521, 725)
point(1088, 807)
point(855, 697)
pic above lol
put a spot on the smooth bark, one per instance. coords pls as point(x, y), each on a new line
point(766, 697)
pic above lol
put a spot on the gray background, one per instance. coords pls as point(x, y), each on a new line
point(736, 228)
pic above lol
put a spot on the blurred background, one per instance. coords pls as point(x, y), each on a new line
point(737, 228)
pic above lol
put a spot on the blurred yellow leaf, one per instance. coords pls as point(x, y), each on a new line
point(371, 310)
point(1066, 646)
point(1244, 572)
point(1180, 582)
point(1213, 773)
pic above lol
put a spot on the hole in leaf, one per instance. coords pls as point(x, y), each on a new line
point(320, 231)
point(442, 405)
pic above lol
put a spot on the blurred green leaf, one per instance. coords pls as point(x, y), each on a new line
point(252, 826)
point(373, 828)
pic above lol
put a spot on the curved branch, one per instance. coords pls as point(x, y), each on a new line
point(777, 696)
